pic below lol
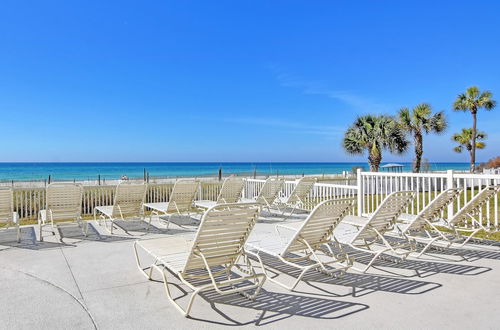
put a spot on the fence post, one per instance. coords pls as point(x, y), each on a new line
point(449, 185)
point(360, 192)
point(245, 187)
point(200, 191)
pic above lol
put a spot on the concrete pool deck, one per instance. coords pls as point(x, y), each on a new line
point(93, 282)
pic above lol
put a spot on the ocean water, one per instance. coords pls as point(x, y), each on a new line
point(90, 171)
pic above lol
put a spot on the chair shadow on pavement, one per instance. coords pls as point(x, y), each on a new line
point(28, 240)
point(131, 227)
point(465, 253)
point(70, 235)
point(93, 234)
point(272, 307)
point(278, 305)
point(361, 284)
point(422, 268)
point(75, 232)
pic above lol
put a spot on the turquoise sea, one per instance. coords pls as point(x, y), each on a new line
point(90, 171)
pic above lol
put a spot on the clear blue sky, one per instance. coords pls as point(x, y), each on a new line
point(234, 80)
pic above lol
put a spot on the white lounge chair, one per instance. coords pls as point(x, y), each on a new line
point(367, 233)
point(307, 248)
point(208, 261)
point(230, 193)
point(298, 197)
point(63, 207)
point(419, 227)
point(128, 203)
point(468, 213)
point(8, 217)
point(268, 193)
point(180, 201)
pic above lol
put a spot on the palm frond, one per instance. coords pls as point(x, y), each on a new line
point(437, 123)
point(480, 145)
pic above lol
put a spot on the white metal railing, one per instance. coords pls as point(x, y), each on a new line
point(319, 193)
point(375, 186)
point(252, 188)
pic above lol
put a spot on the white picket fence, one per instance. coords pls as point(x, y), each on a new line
point(375, 186)
point(28, 201)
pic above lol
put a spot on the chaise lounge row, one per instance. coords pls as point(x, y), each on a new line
point(64, 203)
point(225, 243)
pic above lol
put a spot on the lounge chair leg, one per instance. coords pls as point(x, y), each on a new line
point(263, 267)
point(291, 213)
point(375, 257)
point(299, 278)
point(109, 229)
point(169, 295)
point(40, 232)
point(149, 225)
point(85, 228)
point(470, 236)
point(95, 218)
point(138, 262)
point(427, 247)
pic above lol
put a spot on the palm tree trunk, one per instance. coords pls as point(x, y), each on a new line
point(473, 150)
point(419, 150)
point(374, 159)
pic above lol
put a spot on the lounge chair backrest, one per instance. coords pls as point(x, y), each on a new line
point(317, 229)
point(301, 190)
point(6, 205)
point(474, 205)
point(270, 191)
point(64, 201)
point(129, 199)
point(384, 217)
point(223, 232)
point(434, 209)
point(183, 194)
point(231, 190)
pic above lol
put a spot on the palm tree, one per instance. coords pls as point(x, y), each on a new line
point(374, 134)
point(465, 140)
point(472, 100)
point(418, 121)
